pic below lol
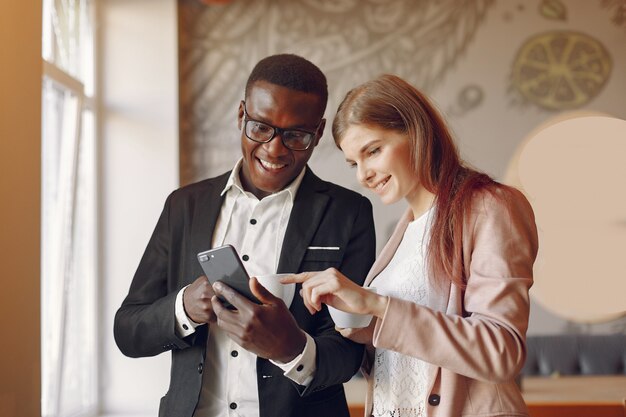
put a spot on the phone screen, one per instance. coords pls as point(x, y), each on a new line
point(223, 264)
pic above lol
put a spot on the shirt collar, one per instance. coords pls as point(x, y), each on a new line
point(234, 181)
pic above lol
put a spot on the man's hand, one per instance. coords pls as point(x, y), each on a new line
point(267, 329)
point(197, 301)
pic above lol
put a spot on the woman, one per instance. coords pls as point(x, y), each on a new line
point(451, 307)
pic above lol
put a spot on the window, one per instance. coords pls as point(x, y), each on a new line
point(68, 288)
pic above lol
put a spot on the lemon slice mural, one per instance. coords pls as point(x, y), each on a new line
point(561, 70)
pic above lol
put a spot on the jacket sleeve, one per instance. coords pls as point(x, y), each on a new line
point(484, 338)
point(145, 323)
point(338, 359)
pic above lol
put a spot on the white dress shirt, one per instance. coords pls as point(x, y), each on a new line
point(256, 228)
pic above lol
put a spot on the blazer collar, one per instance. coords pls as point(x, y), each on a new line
point(390, 247)
point(308, 209)
point(206, 210)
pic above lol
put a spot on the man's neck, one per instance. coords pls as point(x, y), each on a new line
point(249, 187)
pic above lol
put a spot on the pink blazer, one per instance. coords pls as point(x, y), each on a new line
point(473, 339)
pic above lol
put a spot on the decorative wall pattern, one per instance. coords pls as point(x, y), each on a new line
point(350, 40)
point(561, 70)
point(618, 8)
point(553, 9)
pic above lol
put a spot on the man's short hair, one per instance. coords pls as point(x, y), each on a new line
point(293, 72)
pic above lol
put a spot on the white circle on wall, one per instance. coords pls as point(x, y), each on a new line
point(573, 171)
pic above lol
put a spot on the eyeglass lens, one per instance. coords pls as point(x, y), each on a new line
point(297, 140)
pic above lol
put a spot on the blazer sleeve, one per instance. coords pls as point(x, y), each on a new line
point(144, 325)
point(485, 338)
point(338, 358)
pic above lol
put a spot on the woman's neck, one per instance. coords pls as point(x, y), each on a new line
point(420, 201)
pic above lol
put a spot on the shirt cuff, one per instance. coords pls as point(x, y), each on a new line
point(184, 325)
point(301, 369)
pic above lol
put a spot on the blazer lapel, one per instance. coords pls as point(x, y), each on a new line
point(390, 247)
point(205, 213)
point(306, 214)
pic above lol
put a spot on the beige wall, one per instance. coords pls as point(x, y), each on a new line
point(20, 183)
point(138, 156)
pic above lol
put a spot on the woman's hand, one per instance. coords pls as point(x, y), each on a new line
point(335, 289)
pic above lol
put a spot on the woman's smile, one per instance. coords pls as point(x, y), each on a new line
point(382, 159)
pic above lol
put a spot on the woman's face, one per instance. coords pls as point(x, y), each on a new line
point(382, 159)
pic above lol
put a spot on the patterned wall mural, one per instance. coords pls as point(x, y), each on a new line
point(350, 40)
point(355, 40)
point(561, 70)
point(618, 9)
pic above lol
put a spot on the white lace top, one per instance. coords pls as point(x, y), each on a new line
point(400, 380)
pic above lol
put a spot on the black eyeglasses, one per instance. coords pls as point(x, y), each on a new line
point(294, 139)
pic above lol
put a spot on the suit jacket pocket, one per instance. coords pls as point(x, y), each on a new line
point(319, 259)
point(323, 254)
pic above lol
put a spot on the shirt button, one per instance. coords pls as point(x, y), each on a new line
point(233, 406)
point(185, 327)
point(200, 368)
point(434, 399)
point(234, 353)
point(300, 368)
point(252, 221)
point(245, 257)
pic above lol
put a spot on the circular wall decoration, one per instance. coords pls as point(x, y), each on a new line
point(561, 70)
point(574, 175)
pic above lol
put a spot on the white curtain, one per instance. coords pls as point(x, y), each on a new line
point(69, 356)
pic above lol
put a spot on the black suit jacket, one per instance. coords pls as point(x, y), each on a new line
point(323, 215)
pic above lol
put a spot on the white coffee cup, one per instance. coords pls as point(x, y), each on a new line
point(350, 320)
point(272, 283)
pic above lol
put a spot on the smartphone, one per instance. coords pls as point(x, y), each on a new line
point(223, 264)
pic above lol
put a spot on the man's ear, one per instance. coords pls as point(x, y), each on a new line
point(240, 115)
point(320, 132)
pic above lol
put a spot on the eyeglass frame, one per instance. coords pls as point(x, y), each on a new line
point(276, 130)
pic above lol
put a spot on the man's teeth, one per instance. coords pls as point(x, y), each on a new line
point(269, 165)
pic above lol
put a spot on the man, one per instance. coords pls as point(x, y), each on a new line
point(258, 360)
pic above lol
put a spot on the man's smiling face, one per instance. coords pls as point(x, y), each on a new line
point(270, 167)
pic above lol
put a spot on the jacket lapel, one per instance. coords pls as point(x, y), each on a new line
point(205, 213)
point(390, 247)
point(306, 214)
